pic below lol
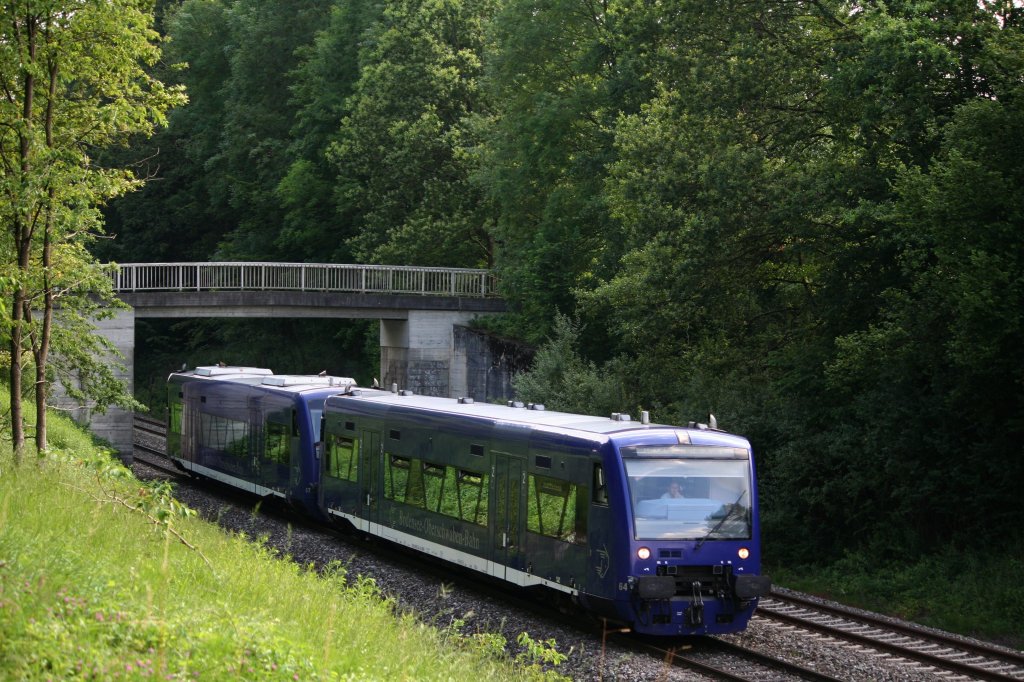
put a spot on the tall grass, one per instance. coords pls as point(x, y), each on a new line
point(103, 577)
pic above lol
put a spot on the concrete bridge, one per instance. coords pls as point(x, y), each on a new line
point(425, 345)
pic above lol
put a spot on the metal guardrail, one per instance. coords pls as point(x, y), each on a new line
point(363, 279)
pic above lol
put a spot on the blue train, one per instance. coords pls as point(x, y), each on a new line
point(651, 526)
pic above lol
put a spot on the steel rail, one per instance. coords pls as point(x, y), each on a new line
point(922, 650)
point(909, 629)
point(755, 661)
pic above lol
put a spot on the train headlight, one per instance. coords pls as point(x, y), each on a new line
point(744, 552)
point(643, 553)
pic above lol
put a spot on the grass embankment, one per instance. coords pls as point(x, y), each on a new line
point(102, 577)
point(972, 594)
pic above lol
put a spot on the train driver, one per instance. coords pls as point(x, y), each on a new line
point(674, 490)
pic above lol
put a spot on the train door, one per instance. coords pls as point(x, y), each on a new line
point(369, 480)
point(257, 439)
point(506, 528)
point(175, 416)
point(190, 425)
point(273, 446)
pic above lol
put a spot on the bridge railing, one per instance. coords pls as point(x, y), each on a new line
point(245, 276)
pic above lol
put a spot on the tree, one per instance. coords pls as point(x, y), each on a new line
point(73, 80)
point(406, 149)
point(313, 226)
point(185, 213)
point(263, 47)
point(554, 86)
point(820, 218)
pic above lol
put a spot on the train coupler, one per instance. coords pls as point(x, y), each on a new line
point(695, 613)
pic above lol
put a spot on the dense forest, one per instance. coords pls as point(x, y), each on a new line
point(802, 216)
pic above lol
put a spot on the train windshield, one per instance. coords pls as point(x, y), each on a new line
point(690, 499)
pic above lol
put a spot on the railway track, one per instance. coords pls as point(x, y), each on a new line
point(949, 656)
point(150, 448)
point(722, 660)
point(150, 426)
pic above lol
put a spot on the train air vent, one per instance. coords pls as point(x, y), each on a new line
point(535, 406)
point(465, 401)
point(621, 417)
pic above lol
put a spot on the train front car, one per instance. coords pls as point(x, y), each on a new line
point(692, 563)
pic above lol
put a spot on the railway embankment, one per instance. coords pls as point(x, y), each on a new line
point(104, 577)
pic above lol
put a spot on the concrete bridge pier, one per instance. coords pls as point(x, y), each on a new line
point(418, 353)
point(115, 424)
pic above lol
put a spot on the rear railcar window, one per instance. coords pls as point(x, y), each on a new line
point(276, 442)
point(342, 458)
point(229, 436)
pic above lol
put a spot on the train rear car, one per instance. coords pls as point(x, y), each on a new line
point(250, 428)
point(651, 526)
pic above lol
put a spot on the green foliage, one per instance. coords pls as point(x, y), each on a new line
point(251, 151)
point(76, 80)
point(562, 380)
point(405, 151)
point(555, 97)
point(537, 654)
point(341, 347)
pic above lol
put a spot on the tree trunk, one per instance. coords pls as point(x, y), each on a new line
point(21, 229)
point(17, 418)
point(41, 341)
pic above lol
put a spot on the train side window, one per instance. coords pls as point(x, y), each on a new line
point(435, 480)
point(404, 481)
point(477, 450)
point(276, 442)
point(600, 487)
point(472, 496)
point(396, 477)
point(342, 458)
point(415, 493)
point(174, 424)
point(227, 436)
point(556, 509)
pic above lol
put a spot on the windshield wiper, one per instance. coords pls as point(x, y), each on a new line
point(725, 517)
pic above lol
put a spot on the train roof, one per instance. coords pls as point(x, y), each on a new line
point(255, 376)
point(530, 415)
